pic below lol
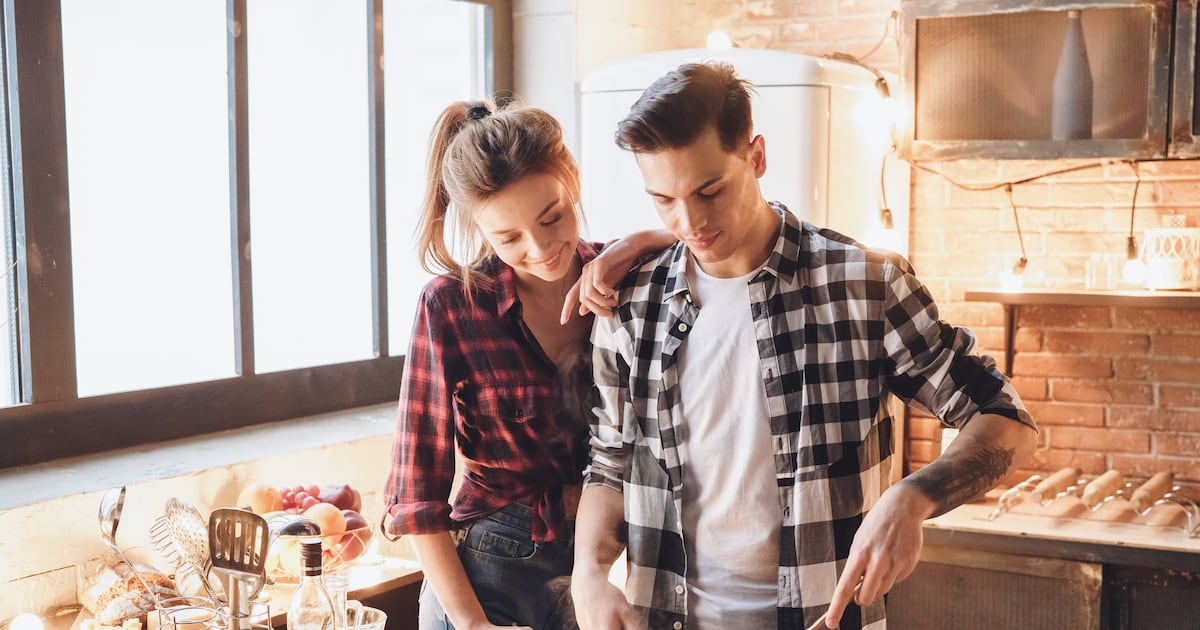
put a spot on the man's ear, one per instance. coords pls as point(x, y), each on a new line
point(758, 155)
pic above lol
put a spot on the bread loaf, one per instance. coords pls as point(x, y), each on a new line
point(116, 594)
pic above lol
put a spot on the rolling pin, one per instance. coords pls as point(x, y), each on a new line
point(1052, 485)
point(1151, 491)
point(1101, 487)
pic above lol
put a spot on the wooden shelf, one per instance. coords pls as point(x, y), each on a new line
point(1011, 299)
point(1087, 297)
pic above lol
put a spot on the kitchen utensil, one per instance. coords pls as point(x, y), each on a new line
point(1100, 487)
point(338, 587)
point(111, 505)
point(237, 544)
point(367, 618)
point(1054, 484)
point(1158, 485)
point(186, 535)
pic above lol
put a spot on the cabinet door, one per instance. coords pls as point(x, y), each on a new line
point(979, 77)
point(1162, 599)
point(958, 589)
point(1185, 106)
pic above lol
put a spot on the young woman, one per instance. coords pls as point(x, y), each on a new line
point(497, 347)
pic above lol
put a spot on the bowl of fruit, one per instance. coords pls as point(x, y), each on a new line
point(330, 513)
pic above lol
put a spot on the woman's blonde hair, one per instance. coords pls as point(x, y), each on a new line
point(477, 150)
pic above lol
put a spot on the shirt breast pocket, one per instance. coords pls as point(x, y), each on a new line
point(509, 403)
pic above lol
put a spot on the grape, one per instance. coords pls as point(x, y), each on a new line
point(313, 491)
point(309, 502)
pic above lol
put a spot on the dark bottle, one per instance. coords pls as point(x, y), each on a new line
point(1071, 111)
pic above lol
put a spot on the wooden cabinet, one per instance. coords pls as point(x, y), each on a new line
point(979, 75)
point(970, 579)
point(956, 589)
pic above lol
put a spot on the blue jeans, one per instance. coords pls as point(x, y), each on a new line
point(517, 581)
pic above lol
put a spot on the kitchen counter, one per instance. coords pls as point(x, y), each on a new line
point(389, 574)
point(1112, 534)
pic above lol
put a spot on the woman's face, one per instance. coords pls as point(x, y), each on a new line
point(532, 227)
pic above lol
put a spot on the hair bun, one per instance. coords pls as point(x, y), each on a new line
point(477, 112)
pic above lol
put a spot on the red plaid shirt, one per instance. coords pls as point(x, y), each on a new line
point(474, 373)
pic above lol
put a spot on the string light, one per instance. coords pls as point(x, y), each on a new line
point(26, 621)
point(1134, 270)
point(719, 41)
point(1014, 277)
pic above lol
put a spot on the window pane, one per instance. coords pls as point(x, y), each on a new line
point(147, 148)
point(413, 28)
point(309, 187)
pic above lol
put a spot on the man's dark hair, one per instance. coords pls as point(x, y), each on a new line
point(681, 104)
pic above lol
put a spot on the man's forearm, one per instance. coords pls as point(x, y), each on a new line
point(987, 449)
point(599, 528)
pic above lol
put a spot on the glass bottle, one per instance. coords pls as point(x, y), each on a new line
point(311, 608)
point(1071, 110)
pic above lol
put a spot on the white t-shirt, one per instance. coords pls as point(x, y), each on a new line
point(731, 506)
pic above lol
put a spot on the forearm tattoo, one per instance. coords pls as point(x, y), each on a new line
point(954, 481)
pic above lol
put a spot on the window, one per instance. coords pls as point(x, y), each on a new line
point(207, 230)
point(457, 32)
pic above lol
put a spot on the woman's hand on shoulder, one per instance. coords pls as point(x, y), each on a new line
point(593, 292)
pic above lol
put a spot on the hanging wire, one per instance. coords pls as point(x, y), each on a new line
point(1019, 267)
point(887, 25)
point(1131, 248)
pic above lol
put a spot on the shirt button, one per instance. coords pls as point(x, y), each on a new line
point(677, 625)
point(679, 590)
point(682, 327)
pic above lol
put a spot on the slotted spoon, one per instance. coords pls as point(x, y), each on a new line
point(187, 533)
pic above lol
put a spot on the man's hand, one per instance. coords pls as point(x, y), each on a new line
point(885, 550)
point(599, 605)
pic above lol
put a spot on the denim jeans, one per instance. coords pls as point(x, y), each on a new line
point(516, 580)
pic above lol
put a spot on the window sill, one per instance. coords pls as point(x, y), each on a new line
point(29, 485)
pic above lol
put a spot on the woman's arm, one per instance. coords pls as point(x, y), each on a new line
point(595, 291)
point(440, 563)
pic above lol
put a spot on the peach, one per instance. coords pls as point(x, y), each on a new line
point(262, 498)
point(331, 521)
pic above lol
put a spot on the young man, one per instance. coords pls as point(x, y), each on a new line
point(741, 448)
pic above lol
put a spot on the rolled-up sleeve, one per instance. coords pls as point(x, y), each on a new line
point(422, 468)
point(610, 370)
point(934, 365)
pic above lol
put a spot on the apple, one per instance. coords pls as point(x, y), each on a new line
point(341, 495)
point(354, 542)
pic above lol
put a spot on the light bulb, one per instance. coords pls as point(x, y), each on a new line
point(1134, 271)
point(718, 41)
point(26, 621)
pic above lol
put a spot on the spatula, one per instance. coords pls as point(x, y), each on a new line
point(237, 542)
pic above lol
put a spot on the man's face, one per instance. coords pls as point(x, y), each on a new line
point(709, 199)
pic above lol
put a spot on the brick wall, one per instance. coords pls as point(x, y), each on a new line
point(1111, 387)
